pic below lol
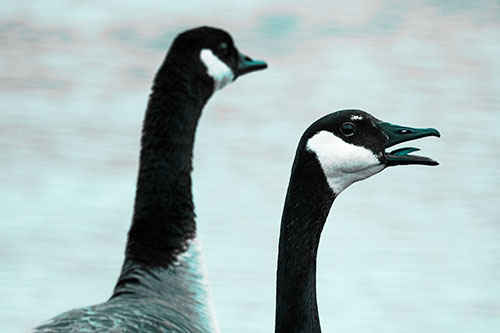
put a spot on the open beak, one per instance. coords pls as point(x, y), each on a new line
point(248, 65)
point(397, 134)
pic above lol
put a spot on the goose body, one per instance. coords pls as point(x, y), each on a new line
point(334, 152)
point(163, 286)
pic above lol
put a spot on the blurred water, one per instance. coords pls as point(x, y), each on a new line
point(413, 249)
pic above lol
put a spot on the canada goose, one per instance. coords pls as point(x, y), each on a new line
point(162, 286)
point(335, 151)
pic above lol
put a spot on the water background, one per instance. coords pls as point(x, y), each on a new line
point(413, 249)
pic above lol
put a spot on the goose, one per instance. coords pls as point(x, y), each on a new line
point(162, 286)
point(334, 152)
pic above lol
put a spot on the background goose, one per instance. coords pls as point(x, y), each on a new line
point(162, 286)
point(334, 152)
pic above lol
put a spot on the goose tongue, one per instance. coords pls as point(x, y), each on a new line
point(397, 134)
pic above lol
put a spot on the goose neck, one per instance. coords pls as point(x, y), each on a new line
point(163, 220)
point(307, 205)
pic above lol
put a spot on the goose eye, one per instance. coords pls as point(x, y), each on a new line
point(348, 129)
point(222, 49)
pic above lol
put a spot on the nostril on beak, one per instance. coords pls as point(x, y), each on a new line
point(404, 131)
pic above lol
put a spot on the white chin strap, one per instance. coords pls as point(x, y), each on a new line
point(216, 69)
point(343, 163)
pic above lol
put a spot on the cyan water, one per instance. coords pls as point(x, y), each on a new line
point(413, 249)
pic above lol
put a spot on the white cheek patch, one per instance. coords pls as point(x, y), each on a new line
point(343, 163)
point(217, 69)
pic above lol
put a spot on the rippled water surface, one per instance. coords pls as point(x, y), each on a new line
point(414, 249)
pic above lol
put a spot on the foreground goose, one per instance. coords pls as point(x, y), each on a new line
point(335, 151)
point(162, 287)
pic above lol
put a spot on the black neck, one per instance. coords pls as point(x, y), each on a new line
point(307, 205)
point(163, 218)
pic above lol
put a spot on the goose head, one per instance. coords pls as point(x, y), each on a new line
point(351, 145)
point(210, 56)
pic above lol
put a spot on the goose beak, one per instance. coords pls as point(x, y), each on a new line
point(397, 134)
point(248, 65)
